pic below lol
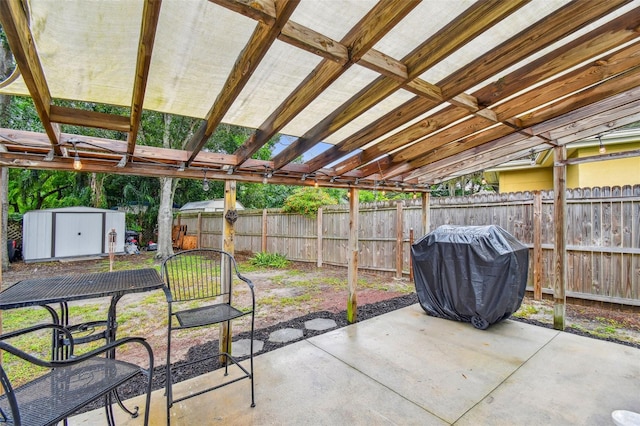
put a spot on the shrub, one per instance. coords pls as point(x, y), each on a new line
point(269, 260)
point(306, 201)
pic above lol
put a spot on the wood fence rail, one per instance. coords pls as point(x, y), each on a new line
point(602, 236)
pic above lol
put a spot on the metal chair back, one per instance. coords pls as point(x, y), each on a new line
point(199, 274)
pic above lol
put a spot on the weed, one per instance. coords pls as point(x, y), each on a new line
point(292, 301)
point(269, 260)
point(526, 311)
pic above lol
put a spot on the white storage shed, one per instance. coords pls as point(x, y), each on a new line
point(70, 232)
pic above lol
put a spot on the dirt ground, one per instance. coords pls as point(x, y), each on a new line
point(301, 290)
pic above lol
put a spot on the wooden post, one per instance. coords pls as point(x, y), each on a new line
point(228, 245)
point(319, 242)
point(199, 230)
point(263, 245)
point(113, 235)
point(426, 213)
point(411, 238)
point(537, 245)
point(4, 175)
point(399, 225)
point(559, 246)
point(352, 279)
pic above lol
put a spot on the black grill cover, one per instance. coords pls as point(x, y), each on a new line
point(476, 274)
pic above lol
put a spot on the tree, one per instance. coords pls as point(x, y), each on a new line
point(171, 132)
point(6, 67)
point(34, 190)
point(307, 200)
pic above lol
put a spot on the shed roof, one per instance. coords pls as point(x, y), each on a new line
point(77, 209)
point(404, 92)
point(208, 205)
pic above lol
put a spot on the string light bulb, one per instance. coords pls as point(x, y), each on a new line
point(601, 149)
point(205, 182)
point(77, 164)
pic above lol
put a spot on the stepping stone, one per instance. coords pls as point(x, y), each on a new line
point(241, 347)
point(320, 324)
point(285, 335)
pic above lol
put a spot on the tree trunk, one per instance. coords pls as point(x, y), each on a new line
point(165, 219)
point(165, 209)
point(4, 195)
point(6, 67)
point(97, 189)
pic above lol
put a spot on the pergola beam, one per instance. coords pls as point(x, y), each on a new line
point(455, 139)
point(16, 28)
point(86, 118)
point(453, 36)
point(150, 16)
point(249, 59)
point(358, 41)
point(621, 109)
point(573, 16)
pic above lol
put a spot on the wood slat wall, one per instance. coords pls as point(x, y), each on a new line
point(603, 235)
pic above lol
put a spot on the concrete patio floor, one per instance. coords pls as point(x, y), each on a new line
point(407, 368)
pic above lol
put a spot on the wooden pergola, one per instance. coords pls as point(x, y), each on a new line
point(401, 94)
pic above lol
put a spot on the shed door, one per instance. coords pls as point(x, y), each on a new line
point(77, 234)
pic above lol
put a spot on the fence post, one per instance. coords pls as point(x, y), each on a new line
point(560, 246)
point(199, 230)
point(399, 225)
point(352, 253)
point(537, 245)
point(426, 207)
point(319, 242)
point(228, 245)
point(410, 259)
point(264, 231)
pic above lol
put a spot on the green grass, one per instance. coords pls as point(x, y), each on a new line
point(283, 301)
point(126, 264)
point(39, 343)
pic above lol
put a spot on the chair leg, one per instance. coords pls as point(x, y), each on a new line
point(168, 391)
point(253, 401)
point(226, 349)
point(108, 407)
point(148, 400)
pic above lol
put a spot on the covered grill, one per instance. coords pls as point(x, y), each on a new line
point(476, 274)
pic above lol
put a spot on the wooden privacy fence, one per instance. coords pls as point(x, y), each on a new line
point(603, 235)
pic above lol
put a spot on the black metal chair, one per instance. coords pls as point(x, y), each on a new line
point(70, 384)
point(205, 277)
